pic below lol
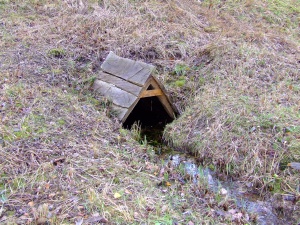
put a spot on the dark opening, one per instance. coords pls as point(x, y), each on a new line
point(148, 112)
point(150, 87)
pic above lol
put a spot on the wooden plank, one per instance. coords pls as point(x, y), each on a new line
point(167, 106)
point(166, 94)
point(141, 76)
point(120, 83)
point(151, 93)
point(121, 67)
point(119, 111)
point(133, 71)
point(116, 95)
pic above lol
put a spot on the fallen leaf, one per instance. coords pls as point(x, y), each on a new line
point(190, 223)
point(117, 195)
point(31, 204)
point(80, 207)
point(168, 184)
point(51, 195)
point(47, 186)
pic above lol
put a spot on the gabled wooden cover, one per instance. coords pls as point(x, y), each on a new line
point(127, 69)
point(125, 81)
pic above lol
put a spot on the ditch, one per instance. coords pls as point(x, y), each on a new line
point(265, 210)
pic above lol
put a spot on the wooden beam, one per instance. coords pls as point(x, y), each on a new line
point(151, 93)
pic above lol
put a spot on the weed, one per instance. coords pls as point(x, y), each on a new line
point(180, 82)
point(136, 131)
point(57, 53)
point(181, 69)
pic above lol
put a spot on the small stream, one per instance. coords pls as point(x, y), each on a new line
point(252, 204)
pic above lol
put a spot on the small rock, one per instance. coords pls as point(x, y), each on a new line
point(41, 221)
point(97, 219)
point(135, 215)
point(223, 191)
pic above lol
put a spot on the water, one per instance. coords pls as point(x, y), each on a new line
point(252, 204)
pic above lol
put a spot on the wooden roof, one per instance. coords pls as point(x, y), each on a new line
point(132, 71)
point(125, 81)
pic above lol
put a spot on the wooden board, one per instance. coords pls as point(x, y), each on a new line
point(140, 77)
point(119, 111)
point(133, 71)
point(151, 93)
point(166, 94)
point(120, 83)
point(118, 96)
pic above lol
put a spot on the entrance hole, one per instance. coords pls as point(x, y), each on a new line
point(148, 112)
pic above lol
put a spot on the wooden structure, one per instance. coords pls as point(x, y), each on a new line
point(135, 93)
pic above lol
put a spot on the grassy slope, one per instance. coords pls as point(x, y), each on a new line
point(245, 120)
point(245, 117)
point(236, 59)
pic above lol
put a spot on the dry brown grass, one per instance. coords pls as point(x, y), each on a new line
point(240, 64)
point(244, 121)
point(64, 160)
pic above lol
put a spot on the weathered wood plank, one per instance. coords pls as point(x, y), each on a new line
point(167, 106)
point(119, 111)
point(141, 76)
point(121, 67)
point(120, 83)
point(116, 95)
point(134, 71)
point(151, 93)
point(160, 85)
